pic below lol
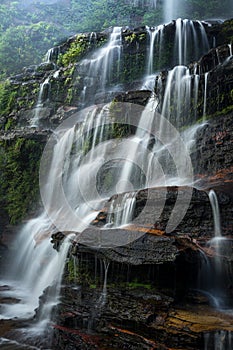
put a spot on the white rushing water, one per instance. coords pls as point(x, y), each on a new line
point(42, 97)
point(100, 65)
point(156, 39)
point(189, 34)
point(36, 267)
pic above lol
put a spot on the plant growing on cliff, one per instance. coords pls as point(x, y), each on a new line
point(75, 52)
point(7, 97)
point(19, 168)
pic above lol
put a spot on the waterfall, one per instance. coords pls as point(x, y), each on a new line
point(156, 37)
point(104, 65)
point(179, 93)
point(36, 266)
point(190, 41)
point(42, 97)
point(79, 153)
point(52, 55)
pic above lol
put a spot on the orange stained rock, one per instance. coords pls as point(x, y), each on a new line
point(198, 320)
point(146, 229)
point(126, 331)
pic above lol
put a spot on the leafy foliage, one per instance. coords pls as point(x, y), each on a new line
point(24, 45)
point(75, 52)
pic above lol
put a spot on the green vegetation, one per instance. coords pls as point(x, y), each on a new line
point(75, 52)
point(7, 98)
point(78, 273)
point(28, 29)
point(25, 45)
point(19, 168)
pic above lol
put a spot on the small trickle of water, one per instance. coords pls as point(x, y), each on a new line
point(205, 94)
point(230, 49)
point(101, 302)
point(216, 213)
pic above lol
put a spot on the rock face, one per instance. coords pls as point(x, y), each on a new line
point(213, 157)
point(143, 295)
point(140, 294)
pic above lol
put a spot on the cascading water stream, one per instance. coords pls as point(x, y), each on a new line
point(216, 213)
point(156, 39)
point(121, 210)
point(179, 93)
point(100, 65)
point(213, 273)
point(35, 268)
point(43, 95)
point(189, 34)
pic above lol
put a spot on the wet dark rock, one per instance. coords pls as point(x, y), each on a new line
point(46, 66)
point(214, 151)
point(140, 97)
point(32, 133)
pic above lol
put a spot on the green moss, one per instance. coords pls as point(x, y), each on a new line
point(130, 38)
point(136, 284)
point(75, 52)
point(9, 124)
point(14, 97)
point(78, 273)
point(7, 97)
point(142, 37)
point(19, 183)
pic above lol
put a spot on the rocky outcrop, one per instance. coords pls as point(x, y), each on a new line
point(145, 240)
point(136, 318)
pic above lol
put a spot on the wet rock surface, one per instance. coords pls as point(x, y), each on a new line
point(133, 318)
